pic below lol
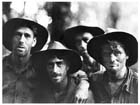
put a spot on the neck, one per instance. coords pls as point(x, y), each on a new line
point(62, 85)
point(20, 61)
point(119, 75)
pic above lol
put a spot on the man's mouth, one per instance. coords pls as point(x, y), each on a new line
point(20, 47)
point(56, 76)
point(114, 65)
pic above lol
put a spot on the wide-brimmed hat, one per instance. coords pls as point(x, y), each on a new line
point(70, 34)
point(129, 41)
point(10, 27)
point(57, 49)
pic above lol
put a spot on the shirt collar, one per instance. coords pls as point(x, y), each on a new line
point(126, 84)
point(26, 70)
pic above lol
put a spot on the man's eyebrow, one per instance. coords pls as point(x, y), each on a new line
point(61, 61)
point(17, 32)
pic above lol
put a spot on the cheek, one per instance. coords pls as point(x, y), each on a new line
point(77, 45)
point(48, 69)
point(14, 42)
point(64, 70)
point(29, 43)
point(122, 59)
point(105, 60)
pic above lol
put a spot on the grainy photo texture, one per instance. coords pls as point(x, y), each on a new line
point(69, 52)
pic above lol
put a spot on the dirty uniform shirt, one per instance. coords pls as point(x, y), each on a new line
point(17, 86)
point(126, 93)
point(48, 93)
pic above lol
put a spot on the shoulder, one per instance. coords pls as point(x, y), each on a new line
point(133, 78)
point(6, 62)
point(97, 76)
point(133, 74)
point(5, 58)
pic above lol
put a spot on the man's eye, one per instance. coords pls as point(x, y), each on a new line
point(50, 64)
point(59, 64)
point(117, 52)
point(17, 34)
point(27, 35)
point(85, 40)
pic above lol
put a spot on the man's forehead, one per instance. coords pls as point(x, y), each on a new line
point(23, 28)
point(87, 34)
point(84, 35)
point(55, 59)
point(111, 47)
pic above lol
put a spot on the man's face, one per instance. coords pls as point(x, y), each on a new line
point(82, 40)
point(23, 40)
point(114, 57)
point(57, 69)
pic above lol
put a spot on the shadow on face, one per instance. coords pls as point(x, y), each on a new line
point(114, 56)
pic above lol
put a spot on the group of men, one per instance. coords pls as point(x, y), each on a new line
point(87, 66)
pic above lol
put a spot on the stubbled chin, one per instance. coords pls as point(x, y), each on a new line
point(56, 79)
point(20, 52)
point(113, 68)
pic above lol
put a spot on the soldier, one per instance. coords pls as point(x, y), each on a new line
point(116, 51)
point(77, 38)
point(22, 37)
point(57, 64)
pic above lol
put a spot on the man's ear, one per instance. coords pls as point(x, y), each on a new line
point(34, 42)
point(127, 57)
point(68, 67)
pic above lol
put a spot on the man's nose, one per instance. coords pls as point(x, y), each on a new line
point(22, 38)
point(112, 57)
point(55, 68)
point(83, 44)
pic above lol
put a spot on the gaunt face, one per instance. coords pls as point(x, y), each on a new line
point(57, 69)
point(23, 40)
point(82, 40)
point(114, 57)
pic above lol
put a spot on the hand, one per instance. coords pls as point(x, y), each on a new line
point(81, 95)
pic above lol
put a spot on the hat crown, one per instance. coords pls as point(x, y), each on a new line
point(56, 45)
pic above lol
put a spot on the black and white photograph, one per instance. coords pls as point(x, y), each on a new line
point(78, 51)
